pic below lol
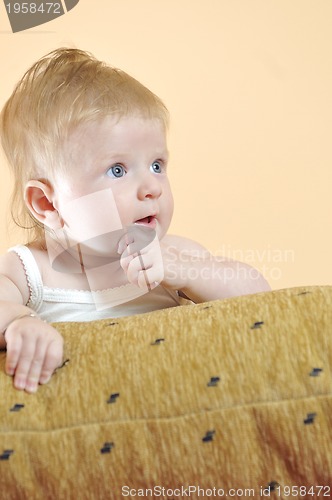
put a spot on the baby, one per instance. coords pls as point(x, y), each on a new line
point(87, 146)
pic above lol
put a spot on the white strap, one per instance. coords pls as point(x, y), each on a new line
point(33, 276)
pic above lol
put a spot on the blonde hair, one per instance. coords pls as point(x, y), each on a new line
point(62, 90)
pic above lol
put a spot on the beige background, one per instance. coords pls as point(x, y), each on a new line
point(248, 84)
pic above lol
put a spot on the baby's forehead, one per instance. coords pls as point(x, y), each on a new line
point(113, 123)
point(114, 134)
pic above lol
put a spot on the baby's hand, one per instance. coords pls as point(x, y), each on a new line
point(34, 351)
point(141, 260)
point(149, 262)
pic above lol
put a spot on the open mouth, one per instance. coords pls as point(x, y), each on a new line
point(149, 221)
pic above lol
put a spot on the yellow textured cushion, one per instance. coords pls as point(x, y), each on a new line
point(226, 394)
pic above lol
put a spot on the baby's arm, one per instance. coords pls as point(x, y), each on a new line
point(201, 277)
point(34, 348)
point(191, 269)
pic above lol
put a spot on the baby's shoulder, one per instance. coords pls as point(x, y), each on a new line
point(10, 265)
point(12, 274)
point(21, 262)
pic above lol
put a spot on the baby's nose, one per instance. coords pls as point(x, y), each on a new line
point(149, 187)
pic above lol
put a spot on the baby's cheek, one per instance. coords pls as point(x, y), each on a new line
point(99, 212)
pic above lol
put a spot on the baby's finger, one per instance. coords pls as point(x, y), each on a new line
point(52, 360)
point(125, 241)
point(23, 365)
point(134, 266)
point(36, 367)
point(14, 347)
point(149, 278)
point(126, 260)
point(144, 272)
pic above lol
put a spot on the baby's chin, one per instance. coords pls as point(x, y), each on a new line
point(148, 224)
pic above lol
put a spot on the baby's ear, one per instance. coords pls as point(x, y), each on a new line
point(38, 196)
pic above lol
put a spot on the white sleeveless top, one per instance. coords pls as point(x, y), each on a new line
point(58, 304)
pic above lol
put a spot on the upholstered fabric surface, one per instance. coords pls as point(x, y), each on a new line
point(222, 396)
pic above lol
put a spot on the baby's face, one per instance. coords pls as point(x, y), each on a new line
point(117, 177)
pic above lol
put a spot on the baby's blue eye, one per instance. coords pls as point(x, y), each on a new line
point(116, 171)
point(157, 167)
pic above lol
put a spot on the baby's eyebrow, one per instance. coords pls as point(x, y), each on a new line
point(162, 154)
point(114, 156)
